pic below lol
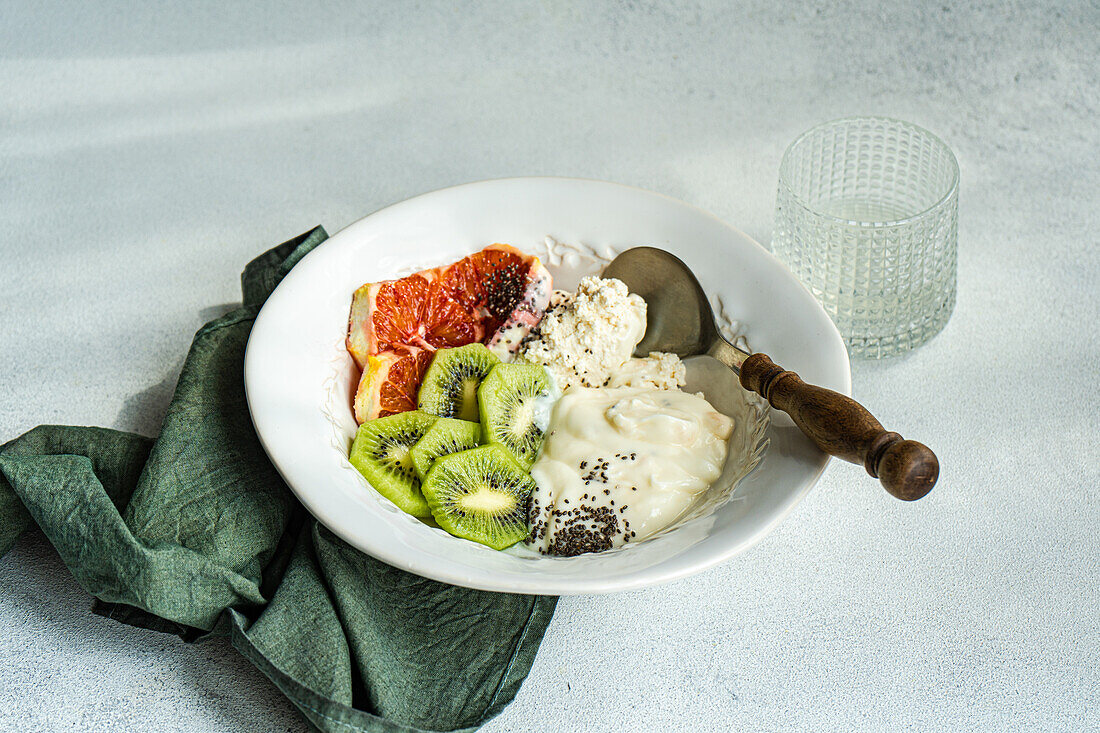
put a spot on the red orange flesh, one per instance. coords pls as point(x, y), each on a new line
point(390, 382)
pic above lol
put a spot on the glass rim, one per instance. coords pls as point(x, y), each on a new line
point(952, 189)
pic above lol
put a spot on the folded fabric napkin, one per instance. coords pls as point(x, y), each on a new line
point(195, 532)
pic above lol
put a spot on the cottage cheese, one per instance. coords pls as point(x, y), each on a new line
point(587, 339)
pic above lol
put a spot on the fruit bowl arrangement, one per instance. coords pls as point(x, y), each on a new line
point(304, 388)
point(533, 363)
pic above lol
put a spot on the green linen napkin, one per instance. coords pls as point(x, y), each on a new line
point(195, 532)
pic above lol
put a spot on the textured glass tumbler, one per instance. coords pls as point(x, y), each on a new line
point(866, 215)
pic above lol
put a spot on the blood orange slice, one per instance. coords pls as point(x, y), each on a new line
point(498, 289)
point(494, 282)
point(413, 311)
point(390, 382)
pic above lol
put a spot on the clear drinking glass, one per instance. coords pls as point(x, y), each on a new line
point(867, 217)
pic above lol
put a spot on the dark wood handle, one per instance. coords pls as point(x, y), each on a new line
point(842, 427)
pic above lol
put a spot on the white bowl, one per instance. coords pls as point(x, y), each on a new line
point(299, 378)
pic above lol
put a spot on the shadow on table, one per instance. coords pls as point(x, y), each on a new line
point(144, 412)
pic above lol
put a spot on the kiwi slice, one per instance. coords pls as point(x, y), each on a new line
point(510, 411)
point(381, 453)
point(449, 388)
point(480, 494)
point(446, 436)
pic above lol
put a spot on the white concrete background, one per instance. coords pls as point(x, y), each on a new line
point(147, 153)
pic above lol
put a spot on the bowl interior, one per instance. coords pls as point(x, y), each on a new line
point(299, 378)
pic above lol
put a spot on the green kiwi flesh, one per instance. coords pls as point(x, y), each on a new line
point(380, 452)
point(510, 411)
point(445, 437)
point(480, 494)
point(449, 387)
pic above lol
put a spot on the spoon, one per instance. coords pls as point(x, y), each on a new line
point(681, 321)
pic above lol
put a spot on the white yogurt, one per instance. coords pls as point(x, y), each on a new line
point(620, 464)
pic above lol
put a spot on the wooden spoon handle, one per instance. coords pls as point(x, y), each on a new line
point(842, 427)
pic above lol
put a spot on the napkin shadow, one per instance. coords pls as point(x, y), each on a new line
point(234, 690)
point(217, 311)
point(143, 412)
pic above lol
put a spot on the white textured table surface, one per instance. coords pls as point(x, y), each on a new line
point(146, 155)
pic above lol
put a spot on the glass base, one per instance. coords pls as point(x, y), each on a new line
point(880, 347)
